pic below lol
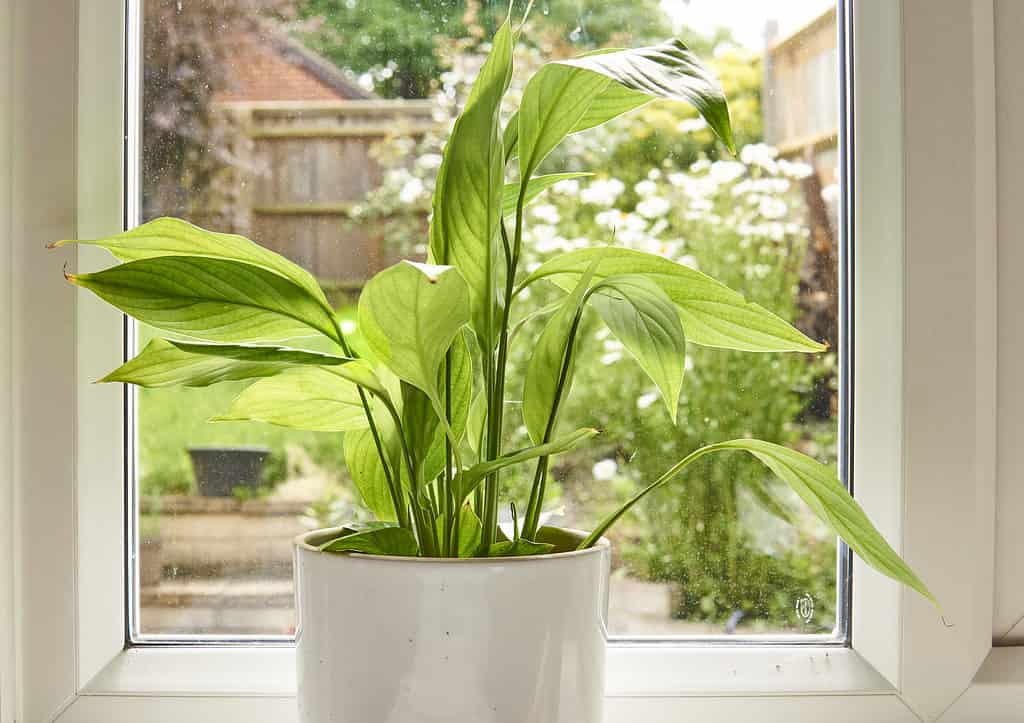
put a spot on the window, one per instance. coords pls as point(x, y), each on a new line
point(918, 61)
point(314, 129)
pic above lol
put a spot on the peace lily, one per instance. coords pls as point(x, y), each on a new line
point(422, 408)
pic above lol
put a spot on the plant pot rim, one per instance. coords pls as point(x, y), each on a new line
point(301, 542)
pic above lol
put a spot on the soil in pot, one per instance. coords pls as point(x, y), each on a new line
point(219, 470)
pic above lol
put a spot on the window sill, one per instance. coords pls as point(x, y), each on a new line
point(633, 671)
point(654, 683)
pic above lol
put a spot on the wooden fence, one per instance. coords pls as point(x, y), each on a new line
point(801, 92)
point(300, 166)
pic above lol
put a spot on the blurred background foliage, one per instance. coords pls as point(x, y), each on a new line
point(663, 186)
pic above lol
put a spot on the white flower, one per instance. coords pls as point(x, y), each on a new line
point(794, 169)
point(646, 188)
point(727, 171)
point(677, 179)
point(429, 161)
point(692, 125)
point(646, 400)
point(772, 207)
point(653, 207)
point(760, 154)
point(654, 174)
point(605, 470)
point(546, 213)
point(830, 194)
point(752, 186)
point(602, 192)
point(568, 187)
point(690, 261)
point(609, 219)
point(411, 190)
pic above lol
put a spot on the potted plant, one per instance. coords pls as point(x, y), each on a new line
point(435, 612)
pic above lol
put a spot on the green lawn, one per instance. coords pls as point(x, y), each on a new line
point(172, 420)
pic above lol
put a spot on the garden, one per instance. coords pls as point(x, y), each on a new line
point(735, 547)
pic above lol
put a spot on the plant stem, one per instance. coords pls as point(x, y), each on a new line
point(672, 471)
point(537, 491)
point(496, 407)
point(451, 514)
point(426, 530)
point(394, 487)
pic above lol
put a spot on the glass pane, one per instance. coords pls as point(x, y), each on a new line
point(316, 127)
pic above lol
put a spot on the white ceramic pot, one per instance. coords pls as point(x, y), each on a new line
point(414, 640)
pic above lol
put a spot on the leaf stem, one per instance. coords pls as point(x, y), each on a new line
point(672, 471)
point(427, 533)
point(394, 487)
point(497, 406)
point(537, 490)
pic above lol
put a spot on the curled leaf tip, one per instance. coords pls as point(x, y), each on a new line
point(69, 277)
point(56, 244)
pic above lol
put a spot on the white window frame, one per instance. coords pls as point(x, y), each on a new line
point(925, 263)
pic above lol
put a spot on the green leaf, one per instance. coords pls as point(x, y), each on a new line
point(614, 101)
point(767, 500)
point(468, 479)
point(519, 548)
point(391, 541)
point(468, 193)
point(668, 71)
point(536, 186)
point(645, 320)
point(317, 399)
point(166, 363)
point(566, 96)
point(364, 466)
point(554, 101)
point(211, 299)
point(544, 368)
point(462, 390)
point(409, 315)
point(421, 426)
point(820, 490)
point(174, 237)
point(475, 426)
point(470, 531)
point(712, 313)
point(563, 540)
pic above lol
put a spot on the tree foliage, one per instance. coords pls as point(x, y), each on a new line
point(396, 42)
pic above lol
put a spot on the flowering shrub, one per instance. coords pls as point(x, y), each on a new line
point(743, 222)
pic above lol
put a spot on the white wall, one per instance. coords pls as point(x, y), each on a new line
point(6, 478)
point(1009, 593)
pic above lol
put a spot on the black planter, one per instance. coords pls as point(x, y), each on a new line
point(219, 470)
